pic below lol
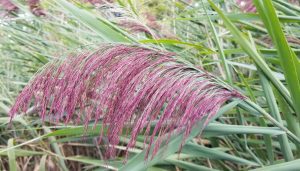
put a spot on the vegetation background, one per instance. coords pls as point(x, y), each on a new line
point(251, 45)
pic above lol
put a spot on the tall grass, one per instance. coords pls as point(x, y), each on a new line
point(255, 53)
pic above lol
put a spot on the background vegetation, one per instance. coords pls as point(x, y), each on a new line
point(256, 52)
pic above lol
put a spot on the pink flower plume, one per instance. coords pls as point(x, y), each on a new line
point(34, 5)
point(246, 6)
point(8, 6)
point(125, 86)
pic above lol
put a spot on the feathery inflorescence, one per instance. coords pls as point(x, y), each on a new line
point(133, 26)
point(126, 87)
point(8, 6)
point(246, 5)
point(34, 5)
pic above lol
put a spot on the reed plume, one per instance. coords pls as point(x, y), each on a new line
point(123, 85)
